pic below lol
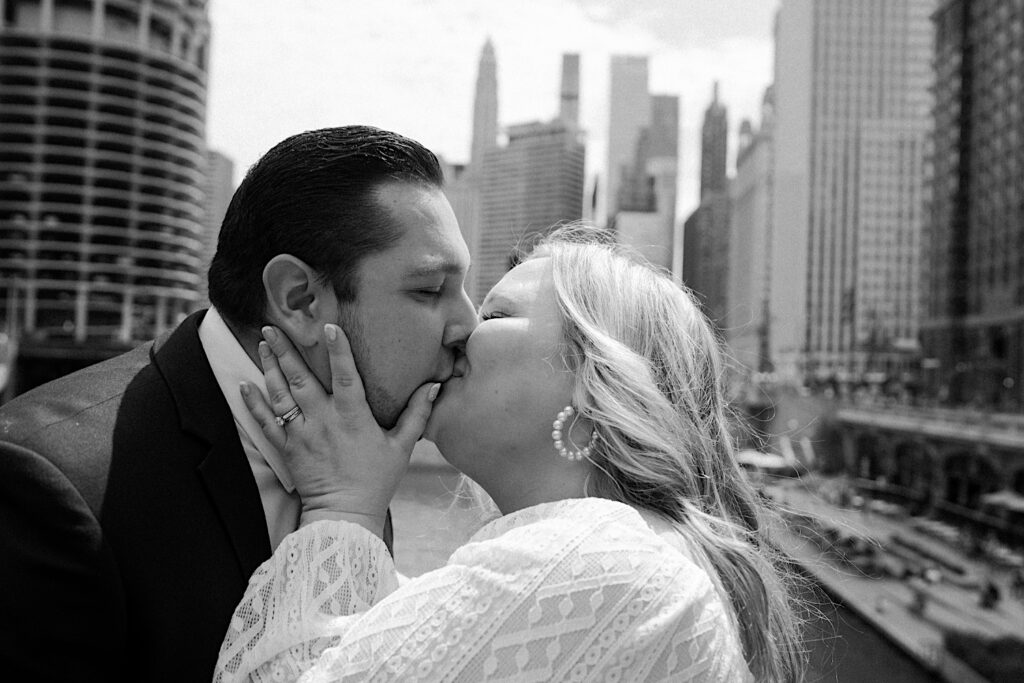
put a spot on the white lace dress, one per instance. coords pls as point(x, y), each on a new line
point(577, 590)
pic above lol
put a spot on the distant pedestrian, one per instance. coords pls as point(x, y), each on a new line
point(919, 595)
point(881, 604)
point(1017, 584)
point(990, 595)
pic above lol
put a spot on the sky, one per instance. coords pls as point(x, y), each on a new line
point(278, 67)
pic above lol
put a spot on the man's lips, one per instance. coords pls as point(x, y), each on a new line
point(458, 370)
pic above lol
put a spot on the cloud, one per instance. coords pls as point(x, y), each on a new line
point(695, 23)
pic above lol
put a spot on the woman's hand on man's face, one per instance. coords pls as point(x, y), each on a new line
point(343, 464)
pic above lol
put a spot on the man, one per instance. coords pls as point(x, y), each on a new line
point(139, 495)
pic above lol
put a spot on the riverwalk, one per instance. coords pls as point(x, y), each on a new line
point(914, 613)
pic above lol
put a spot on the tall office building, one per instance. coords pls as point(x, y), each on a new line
point(706, 255)
point(529, 184)
point(102, 164)
point(629, 114)
point(852, 81)
point(485, 106)
point(532, 183)
point(750, 192)
point(569, 102)
point(973, 331)
point(714, 137)
point(646, 211)
point(643, 162)
point(461, 192)
point(218, 190)
point(706, 235)
point(464, 182)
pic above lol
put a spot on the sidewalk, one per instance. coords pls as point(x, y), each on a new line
point(886, 603)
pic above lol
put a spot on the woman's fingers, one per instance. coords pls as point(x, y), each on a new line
point(413, 419)
point(265, 417)
point(301, 384)
point(346, 383)
point(280, 394)
point(337, 453)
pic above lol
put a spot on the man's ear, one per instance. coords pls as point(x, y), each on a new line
point(296, 301)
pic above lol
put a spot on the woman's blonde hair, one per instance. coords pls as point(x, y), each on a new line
point(649, 375)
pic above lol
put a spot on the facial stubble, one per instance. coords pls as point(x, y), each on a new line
point(385, 408)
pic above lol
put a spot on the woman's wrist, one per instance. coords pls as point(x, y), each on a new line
point(372, 523)
point(370, 516)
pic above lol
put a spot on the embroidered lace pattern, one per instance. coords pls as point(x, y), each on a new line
point(577, 590)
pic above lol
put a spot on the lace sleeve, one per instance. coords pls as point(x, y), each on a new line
point(567, 599)
point(472, 624)
point(297, 602)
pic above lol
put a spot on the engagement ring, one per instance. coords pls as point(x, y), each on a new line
point(282, 420)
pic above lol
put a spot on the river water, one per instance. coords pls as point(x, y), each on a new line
point(845, 648)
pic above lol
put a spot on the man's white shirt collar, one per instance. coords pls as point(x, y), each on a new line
point(231, 366)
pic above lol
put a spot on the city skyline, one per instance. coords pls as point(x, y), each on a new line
point(270, 61)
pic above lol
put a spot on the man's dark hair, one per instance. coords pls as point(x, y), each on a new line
point(311, 196)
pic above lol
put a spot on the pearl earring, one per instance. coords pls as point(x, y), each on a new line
point(556, 436)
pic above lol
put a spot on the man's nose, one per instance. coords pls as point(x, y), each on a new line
point(462, 322)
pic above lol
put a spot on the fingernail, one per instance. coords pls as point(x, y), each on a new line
point(265, 350)
point(270, 334)
point(432, 394)
point(331, 332)
point(244, 388)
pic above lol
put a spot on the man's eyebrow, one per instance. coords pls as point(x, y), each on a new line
point(434, 267)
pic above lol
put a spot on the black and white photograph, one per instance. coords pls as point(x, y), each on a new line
point(477, 340)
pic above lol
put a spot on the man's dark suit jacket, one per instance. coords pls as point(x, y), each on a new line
point(130, 520)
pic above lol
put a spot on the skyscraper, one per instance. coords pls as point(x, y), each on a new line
point(102, 164)
point(218, 190)
point(569, 103)
point(528, 185)
point(646, 214)
point(706, 241)
point(750, 192)
point(643, 160)
point(662, 155)
point(629, 113)
point(485, 106)
point(714, 136)
point(973, 331)
point(852, 82)
point(461, 190)
point(464, 182)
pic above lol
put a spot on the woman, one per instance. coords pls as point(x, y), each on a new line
point(589, 407)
